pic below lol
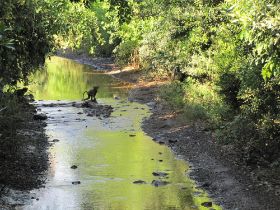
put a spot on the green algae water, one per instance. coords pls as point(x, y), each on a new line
point(110, 153)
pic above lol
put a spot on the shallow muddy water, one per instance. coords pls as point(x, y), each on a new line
point(110, 153)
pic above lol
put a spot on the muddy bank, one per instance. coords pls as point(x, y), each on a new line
point(23, 154)
point(216, 168)
point(98, 63)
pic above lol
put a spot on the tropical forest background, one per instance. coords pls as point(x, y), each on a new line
point(227, 50)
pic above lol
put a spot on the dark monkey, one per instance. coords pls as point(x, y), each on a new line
point(21, 92)
point(178, 75)
point(91, 94)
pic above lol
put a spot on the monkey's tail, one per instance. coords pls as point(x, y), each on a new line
point(84, 95)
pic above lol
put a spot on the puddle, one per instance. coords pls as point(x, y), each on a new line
point(110, 153)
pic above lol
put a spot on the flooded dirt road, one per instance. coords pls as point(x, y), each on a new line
point(101, 162)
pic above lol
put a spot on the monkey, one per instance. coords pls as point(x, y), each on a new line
point(91, 94)
point(20, 92)
point(178, 75)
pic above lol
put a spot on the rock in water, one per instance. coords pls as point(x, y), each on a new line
point(74, 166)
point(76, 182)
point(40, 117)
point(161, 174)
point(139, 182)
point(55, 140)
point(159, 183)
point(207, 204)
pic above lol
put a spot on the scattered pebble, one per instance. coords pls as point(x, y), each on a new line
point(159, 183)
point(40, 117)
point(139, 182)
point(74, 166)
point(172, 141)
point(161, 174)
point(76, 182)
point(207, 204)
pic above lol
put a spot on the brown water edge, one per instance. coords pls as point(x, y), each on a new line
point(217, 169)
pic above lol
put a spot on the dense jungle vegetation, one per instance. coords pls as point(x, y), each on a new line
point(228, 51)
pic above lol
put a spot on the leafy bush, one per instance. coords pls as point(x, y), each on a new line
point(173, 94)
point(230, 52)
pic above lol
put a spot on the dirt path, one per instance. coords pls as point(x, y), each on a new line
point(23, 156)
point(215, 168)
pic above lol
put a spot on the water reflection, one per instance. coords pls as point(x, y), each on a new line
point(110, 153)
point(65, 79)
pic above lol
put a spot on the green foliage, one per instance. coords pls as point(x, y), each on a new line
point(25, 40)
point(230, 52)
point(203, 101)
point(173, 94)
point(108, 24)
point(228, 49)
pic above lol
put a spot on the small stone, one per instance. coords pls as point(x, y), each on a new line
point(40, 117)
point(76, 182)
point(172, 141)
point(37, 199)
point(74, 167)
point(205, 185)
point(160, 160)
point(139, 182)
point(55, 140)
point(159, 183)
point(151, 104)
point(161, 174)
point(80, 113)
point(207, 204)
